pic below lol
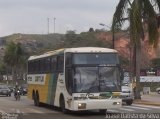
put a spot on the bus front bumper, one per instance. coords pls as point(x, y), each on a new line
point(96, 104)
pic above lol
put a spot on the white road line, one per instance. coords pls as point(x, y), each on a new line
point(18, 111)
point(2, 112)
point(111, 110)
point(124, 109)
point(34, 111)
point(134, 107)
point(155, 107)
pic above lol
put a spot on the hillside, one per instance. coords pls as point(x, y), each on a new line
point(35, 43)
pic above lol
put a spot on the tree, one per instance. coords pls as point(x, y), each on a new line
point(156, 62)
point(137, 11)
point(91, 30)
point(14, 58)
point(2, 70)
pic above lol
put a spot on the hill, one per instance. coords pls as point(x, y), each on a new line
point(39, 43)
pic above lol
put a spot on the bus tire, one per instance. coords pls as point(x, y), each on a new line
point(103, 111)
point(35, 100)
point(38, 103)
point(62, 105)
point(129, 102)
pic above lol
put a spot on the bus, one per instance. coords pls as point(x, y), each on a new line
point(76, 79)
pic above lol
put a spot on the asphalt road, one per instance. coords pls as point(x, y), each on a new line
point(24, 109)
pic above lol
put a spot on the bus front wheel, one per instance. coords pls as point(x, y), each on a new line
point(62, 105)
point(103, 111)
point(129, 102)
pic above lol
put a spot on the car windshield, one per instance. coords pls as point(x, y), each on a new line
point(96, 79)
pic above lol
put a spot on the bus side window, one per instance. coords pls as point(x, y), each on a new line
point(36, 63)
point(68, 80)
point(68, 60)
point(48, 64)
point(60, 63)
point(41, 65)
point(53, 64)
point(30, 67)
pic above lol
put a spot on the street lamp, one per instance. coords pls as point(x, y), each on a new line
point(112, 33)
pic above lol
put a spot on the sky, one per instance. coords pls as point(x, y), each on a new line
point(43, 16)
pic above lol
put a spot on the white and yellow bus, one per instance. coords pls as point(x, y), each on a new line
point(76, 79)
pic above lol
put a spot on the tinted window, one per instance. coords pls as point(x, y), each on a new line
point(60, 62)
point(99, 58)
point(41, 65)
point(68, 60)
point(53, 63)
point(68, 80)
point(48, 64)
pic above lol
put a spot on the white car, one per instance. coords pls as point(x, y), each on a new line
point(158, 90)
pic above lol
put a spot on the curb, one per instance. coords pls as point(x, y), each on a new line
point(143, 102)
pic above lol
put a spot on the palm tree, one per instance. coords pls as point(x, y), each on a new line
point(136, 12)
point(14, 58)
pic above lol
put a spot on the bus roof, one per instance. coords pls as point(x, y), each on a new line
point(74, 50)
point(89, 49)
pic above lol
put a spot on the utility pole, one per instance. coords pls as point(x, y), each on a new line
point(54, 24)
point(113, 38)
point(48, 24)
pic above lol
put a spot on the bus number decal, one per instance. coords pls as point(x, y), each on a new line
point(38, 79)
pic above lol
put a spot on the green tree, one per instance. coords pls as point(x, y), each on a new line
point(15, 58)
point(2, 70)
point(156, 62)
point(136, 12)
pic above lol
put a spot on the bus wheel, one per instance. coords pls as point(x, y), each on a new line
point(36, 100)
point(62, 105)
point(103, 111)
point(129, 102)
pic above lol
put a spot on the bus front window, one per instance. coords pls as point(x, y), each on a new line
point(85, 79)
point(96, 79)
point(109, 79)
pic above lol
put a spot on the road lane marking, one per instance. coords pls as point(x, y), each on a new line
point(134, 107)
point(34, 111)
point(2, 112)
point(156, 107)
point(17, 111)
point(124, 109)
point(111, 110)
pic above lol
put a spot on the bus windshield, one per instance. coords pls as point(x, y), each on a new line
point(96, 79)
point(95, 58)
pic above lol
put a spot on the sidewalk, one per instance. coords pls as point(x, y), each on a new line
point(150, 99)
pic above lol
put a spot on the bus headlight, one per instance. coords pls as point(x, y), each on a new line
point(81, 105)
point(116, 103)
